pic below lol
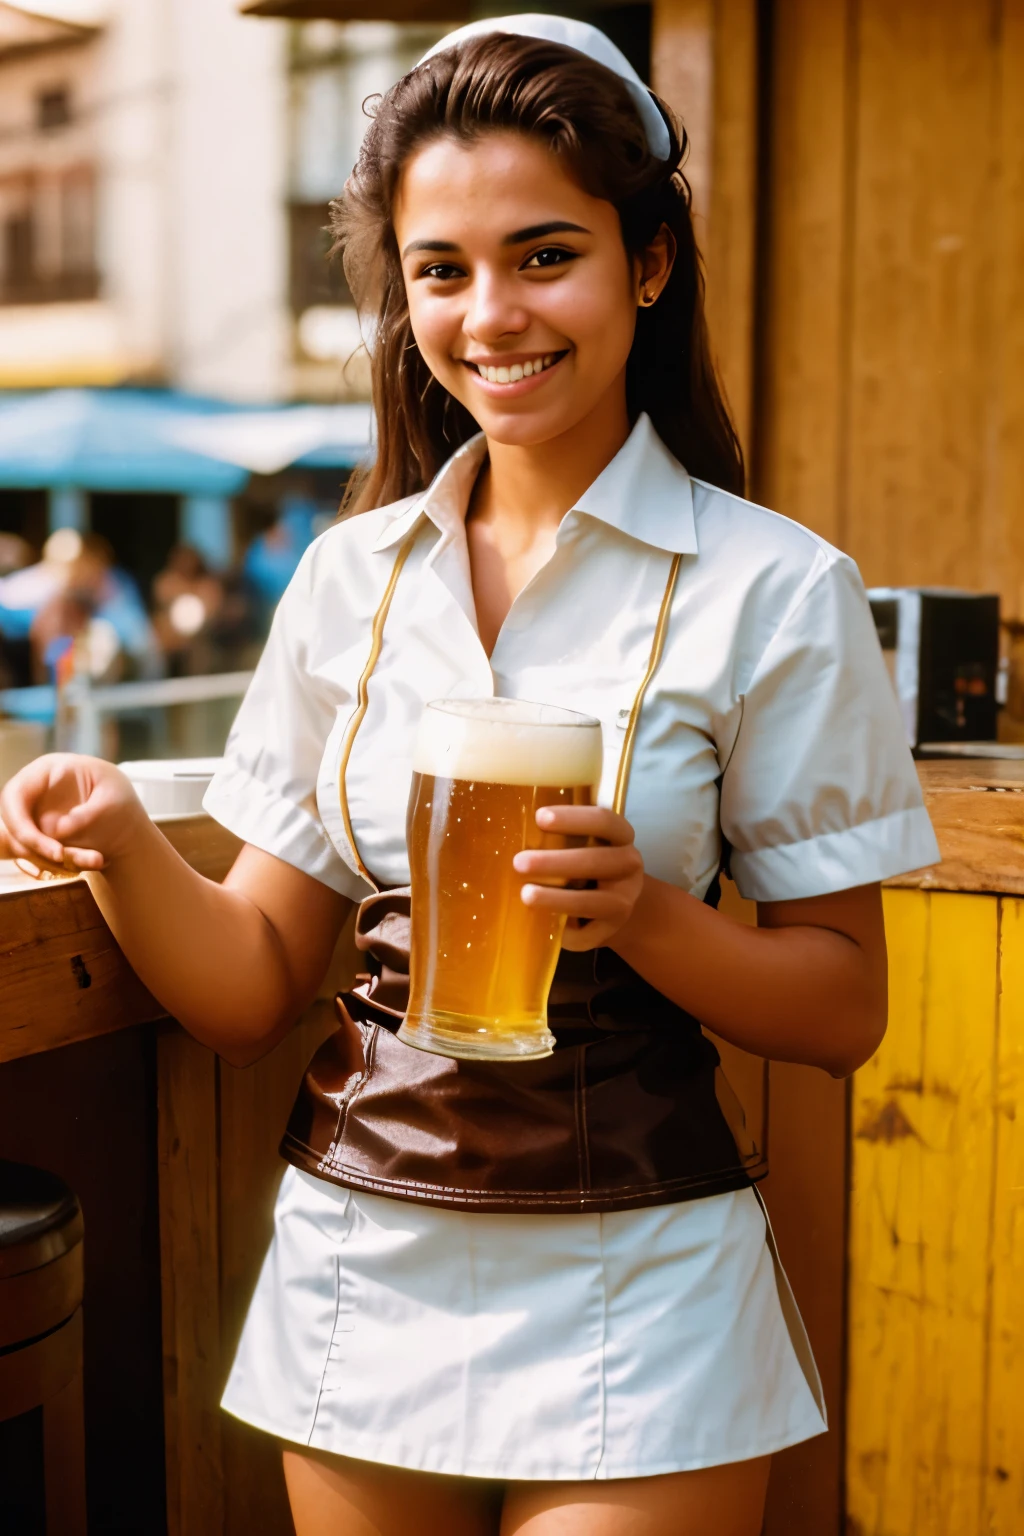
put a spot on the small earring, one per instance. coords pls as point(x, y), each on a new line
point(647, 299)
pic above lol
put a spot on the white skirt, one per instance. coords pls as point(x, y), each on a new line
point(524, 1347)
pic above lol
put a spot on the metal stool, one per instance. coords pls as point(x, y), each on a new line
point(41, 1279)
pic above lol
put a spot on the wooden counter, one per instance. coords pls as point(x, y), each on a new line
point(934, 1429)
point(64, 981)
point(916, 1324)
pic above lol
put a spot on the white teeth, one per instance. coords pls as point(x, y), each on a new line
point(515, 371)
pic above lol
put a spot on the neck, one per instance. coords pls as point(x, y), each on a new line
point(536, 485)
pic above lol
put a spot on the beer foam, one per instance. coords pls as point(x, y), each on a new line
point(508, 741)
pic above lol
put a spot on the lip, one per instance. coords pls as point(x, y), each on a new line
point(521, 386)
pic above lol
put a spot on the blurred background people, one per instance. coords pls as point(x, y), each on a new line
point(76, 587)
point(271, 560)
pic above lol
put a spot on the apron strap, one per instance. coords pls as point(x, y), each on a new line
point(657, 646)
point(376, 641)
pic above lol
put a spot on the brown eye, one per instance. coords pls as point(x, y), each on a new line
point(442, 271)
point(550, 256)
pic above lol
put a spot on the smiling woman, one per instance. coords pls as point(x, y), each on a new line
point(534, 1297)
point(485, 175)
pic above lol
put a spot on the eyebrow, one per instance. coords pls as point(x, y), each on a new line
point(538, 231)
point(517, 237)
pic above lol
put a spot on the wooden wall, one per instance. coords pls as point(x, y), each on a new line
point(859, 178)
point(935, 1443)
point(891, 364)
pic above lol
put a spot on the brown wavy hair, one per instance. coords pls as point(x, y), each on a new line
point(585, 115)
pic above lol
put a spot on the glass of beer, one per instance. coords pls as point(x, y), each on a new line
point(482, 961)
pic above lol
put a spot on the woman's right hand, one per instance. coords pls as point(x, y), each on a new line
point(66, 813)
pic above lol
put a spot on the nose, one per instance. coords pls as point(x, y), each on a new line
point(494, 310)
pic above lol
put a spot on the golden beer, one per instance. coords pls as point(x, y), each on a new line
point(482, 962)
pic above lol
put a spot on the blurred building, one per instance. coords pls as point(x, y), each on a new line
point(165, 170)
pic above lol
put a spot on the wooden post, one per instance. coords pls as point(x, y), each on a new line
point(704, 63)
point(190, 1281)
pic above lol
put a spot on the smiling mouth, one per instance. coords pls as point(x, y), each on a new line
point(514, 373)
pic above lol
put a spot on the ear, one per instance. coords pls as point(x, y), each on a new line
point(655, 267)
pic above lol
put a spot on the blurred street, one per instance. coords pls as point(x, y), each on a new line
point(182, 377)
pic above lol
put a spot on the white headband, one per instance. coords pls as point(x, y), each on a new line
point(585, 39)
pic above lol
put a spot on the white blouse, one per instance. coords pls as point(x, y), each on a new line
point(577, 1346)
point(770, 720)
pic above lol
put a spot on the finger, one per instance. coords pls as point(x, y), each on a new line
point(80, 859)
point(585, 821)
point(33, 864)
point(23, 832)
point(587, 936)
point(66, 825)
point(597, 863)
point(607, 904)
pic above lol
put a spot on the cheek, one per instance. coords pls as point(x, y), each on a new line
point(434, 328)
point(597, 311)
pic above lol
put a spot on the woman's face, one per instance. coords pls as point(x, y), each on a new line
point(522, 297)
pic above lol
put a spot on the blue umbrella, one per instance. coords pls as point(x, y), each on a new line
point(110, 440)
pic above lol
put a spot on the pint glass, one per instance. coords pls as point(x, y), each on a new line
point(482, 962)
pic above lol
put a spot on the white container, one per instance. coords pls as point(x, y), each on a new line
point(20, 742)
point(174, 787)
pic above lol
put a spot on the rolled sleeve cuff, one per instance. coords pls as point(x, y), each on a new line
point(836, 861)
point(268, 821)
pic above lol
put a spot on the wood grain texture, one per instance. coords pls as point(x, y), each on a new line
point(731, 243)
point(682, 73)
point(704, 56)
point(806, 1197)
point(1002, 550)
point(922, 1185)
point(977, 810)
point(807, 251)
point(921, 290)
point(64, 1460)
point(62, 976)
point(39, 1371)
point(190, 1282)
point(254, 1108)
point(1003, 1491)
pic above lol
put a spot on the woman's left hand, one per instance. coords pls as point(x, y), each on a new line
point(612, 863)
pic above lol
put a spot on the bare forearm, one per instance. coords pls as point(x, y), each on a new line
point(804, 994)
point(206, 952)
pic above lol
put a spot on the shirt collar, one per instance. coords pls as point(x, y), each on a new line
point(644, 492)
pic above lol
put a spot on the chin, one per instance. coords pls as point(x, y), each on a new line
point(525, 429)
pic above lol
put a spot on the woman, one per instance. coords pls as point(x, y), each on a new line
point(623, 1357)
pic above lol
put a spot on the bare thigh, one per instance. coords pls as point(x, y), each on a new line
point(340, 1496)
point(718, 1501)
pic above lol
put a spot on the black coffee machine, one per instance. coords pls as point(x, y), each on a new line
point(941, 646)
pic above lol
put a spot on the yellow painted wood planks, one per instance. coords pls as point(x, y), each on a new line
point(1004, 1466)
point(885, 1177)
point(922, 1183)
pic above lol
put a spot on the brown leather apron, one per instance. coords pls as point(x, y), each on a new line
point(631, 1109)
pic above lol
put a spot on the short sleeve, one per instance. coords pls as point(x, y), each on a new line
point(265, 789)
point(820, 792)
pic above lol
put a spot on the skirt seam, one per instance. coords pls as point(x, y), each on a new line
point(603, 1377)
point(330, 1346)
point(383, 1454)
